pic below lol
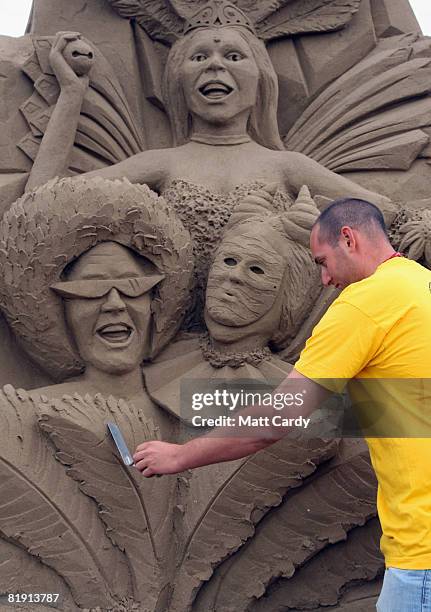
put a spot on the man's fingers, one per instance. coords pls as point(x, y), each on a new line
point(141, 447)
point(140, 463)
point(148, 473)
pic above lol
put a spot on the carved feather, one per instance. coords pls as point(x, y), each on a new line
point(319, 513)
point(158, 17)
point(229, 518)
point(302, 16)
point(44, 512)
point(258, 11)
point(164, 19)
point(107, 132)
point(77, 427)
point(370, 118)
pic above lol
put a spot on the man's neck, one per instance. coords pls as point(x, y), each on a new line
point(374, 260)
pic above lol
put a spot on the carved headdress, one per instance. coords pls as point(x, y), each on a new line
point(168, 20)
point(218, 14)
point(48, 228)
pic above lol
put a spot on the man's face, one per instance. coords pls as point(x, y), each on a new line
point(338, 267)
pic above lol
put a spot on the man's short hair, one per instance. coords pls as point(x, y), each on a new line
point(355, 213)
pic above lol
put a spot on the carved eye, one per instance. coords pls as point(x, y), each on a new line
point(199, 57)
point(234, 56)
point(230, 261)
point(256, 270)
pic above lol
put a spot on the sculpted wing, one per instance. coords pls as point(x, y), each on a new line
point(107, 131)
point(374, 117)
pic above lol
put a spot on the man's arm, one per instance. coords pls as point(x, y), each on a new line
point(229, 443)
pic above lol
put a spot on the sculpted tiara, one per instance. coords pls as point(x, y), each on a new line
point(218, 14)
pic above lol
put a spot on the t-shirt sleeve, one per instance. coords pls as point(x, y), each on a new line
point(343, 342)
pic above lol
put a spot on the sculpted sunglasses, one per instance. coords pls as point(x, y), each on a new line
point(97, 288)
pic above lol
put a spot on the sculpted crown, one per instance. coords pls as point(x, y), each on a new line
point(218, 14)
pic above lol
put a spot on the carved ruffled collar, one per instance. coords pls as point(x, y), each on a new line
point(233, 360)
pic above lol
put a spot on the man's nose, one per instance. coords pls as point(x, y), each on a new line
point(326, 278)
point(113, 302)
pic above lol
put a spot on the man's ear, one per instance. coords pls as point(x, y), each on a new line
point(348, 237)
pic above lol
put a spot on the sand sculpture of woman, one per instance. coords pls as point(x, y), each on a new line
point(221, 94)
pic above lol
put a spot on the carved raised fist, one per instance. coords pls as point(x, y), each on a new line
point(71, 59)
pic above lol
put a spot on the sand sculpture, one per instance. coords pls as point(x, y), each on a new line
point(226, 110)
point(261, 285)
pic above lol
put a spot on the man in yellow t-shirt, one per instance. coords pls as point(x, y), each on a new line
point(377, 335)
point(378, 332)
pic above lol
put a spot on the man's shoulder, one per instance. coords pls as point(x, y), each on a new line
point(397, 286)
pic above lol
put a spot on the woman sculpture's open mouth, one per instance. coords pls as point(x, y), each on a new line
point(115, 333)
point(215, 90)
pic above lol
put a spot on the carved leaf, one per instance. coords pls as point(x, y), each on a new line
point(302, 16)
point(24, 573)
point(319, 513)
point(327, 575)
point(370, 118)
point(126, 500)
point(229, 518)
point(44, 512)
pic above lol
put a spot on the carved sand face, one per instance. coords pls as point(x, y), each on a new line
point(244, 280)
point(112, 331)
point(219, 75)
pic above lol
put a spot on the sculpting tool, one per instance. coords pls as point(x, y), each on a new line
point(120, 443)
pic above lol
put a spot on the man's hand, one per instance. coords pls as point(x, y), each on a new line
point(152, 458)
point(226, 443)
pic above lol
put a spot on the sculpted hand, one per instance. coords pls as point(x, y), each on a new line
point(71, 59)
point(152, 458)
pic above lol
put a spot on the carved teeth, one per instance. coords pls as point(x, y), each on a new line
point(215, 89)
point(115, 332)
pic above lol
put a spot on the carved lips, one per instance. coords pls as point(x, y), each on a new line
point(115, 333)
point(215, 90)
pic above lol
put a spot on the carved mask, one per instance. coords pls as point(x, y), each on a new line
point(219, 75)
point(244, 279)
point(108, 307)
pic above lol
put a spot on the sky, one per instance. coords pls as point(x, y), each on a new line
point(14, 18)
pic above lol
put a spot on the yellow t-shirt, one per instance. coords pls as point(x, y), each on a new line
point(380, 329)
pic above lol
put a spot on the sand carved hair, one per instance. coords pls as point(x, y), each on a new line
point(291, 236)
point(47, 229)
